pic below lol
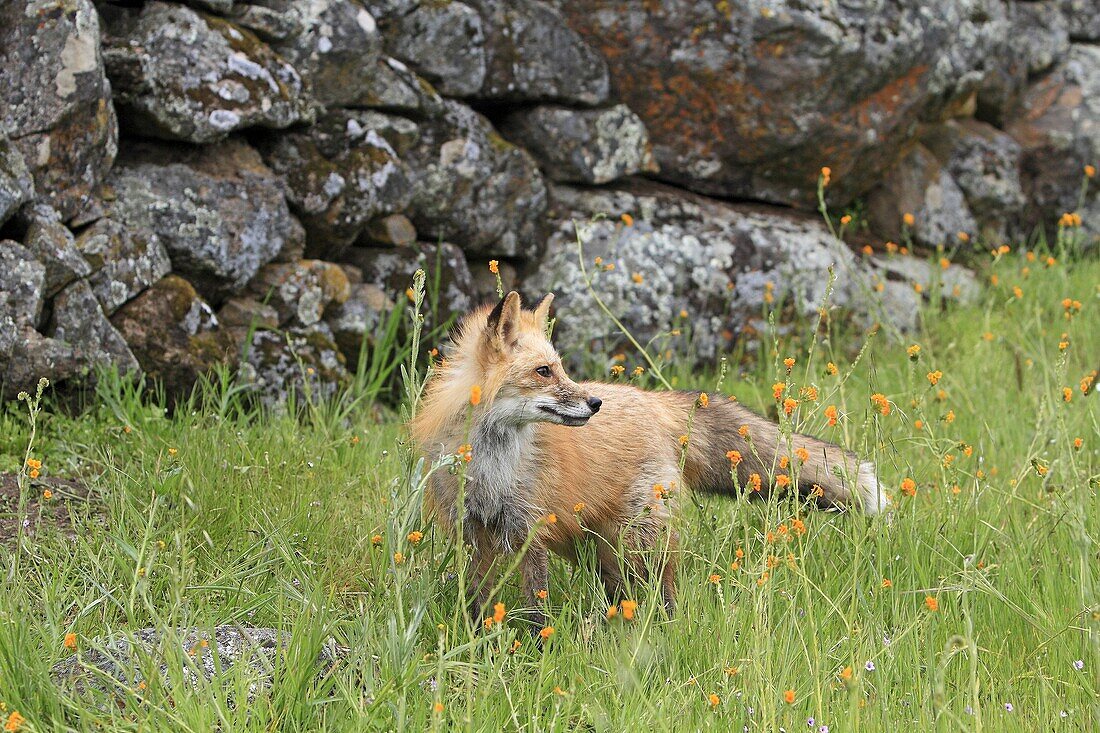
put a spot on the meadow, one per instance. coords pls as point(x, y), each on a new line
point(973, 606)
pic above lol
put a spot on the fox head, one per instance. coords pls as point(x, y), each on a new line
point(522, 374)
point(504, 356)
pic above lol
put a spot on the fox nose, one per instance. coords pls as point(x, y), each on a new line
point(594, 404)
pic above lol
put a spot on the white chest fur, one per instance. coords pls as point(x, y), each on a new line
point(498, 488)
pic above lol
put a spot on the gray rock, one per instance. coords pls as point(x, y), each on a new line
point(985, 163)
point(357, 319)
point(182, 75)
point(33, 356)
point(680, 252)
point(247, 313)
point(218, 210)
point(202, 655)
point(55, 101)
point(16, 184)
point(301, 291)
point(1039, 33)
point(79, 322)
point(583, 146)
point(334, 45)
point(533, 55)
point(1057, 129)
point(394, 230)
point(53, 244)
point(339, 174)
point(392, 86)
point(214, 6)
point(955, 283)
point(392, 270)
point(175, 335)
point(920, 186)
point(22, 283)
point(299, 364)
point(749, 100)
point(472, 186)
point(444, 42)
point(123, 265)
point(1083, 18)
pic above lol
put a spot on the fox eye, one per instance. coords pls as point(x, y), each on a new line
point(543, 371)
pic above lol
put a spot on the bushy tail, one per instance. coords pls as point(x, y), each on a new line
point(830, 475)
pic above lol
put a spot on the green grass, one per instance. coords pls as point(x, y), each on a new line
point(220, 515)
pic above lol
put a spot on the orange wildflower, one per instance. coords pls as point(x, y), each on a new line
point(830, 413)
point(931, 603)
point(778, 389)
point(743, 431)
point(789, 363)
point(494, 267)
point(887, 583)
point(935, 377)
point(831, 369)
point(627, 219)
point(498, 612)
point(782, 480)
point(70, 641)
point(547, 632)
point(881, 403)
point(475, 395)
point(734, 456)
point(909, 487)
point(628, 609)
point(703, 399)
point(789, 404)
point(802, 454)
point(415, 537)
point(788, 697)
point(715, 701)
point(755, 482)
point(1067, 394)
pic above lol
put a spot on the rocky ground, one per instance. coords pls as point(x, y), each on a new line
point(183, 183)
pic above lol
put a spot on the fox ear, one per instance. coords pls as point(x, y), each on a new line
point(542, 310)
point(503, 322)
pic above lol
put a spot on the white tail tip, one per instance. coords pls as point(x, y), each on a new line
point(872, 500)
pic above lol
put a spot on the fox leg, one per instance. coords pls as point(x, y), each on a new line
point(481, 578)
point(635, 556)
point(535, 568)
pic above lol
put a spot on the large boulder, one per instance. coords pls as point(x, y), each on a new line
point(1083, 19)
point(583, 146)
point(751, 101)
point(444, 42)
point(356, 320)
point(392, 268)
point(55, 101)
point(174, 334)
point(301, 291)
point(1039, 33)
point(16, 184)
point(531, 54)
point(339, 174)
point(124, 264)
point(53, 244)
point(653, 252)
point(183, 75)
point(22, 280)
point(218, 210)
point(79, 322)
point(299, 364)
point(333, 44)
point(33, 356)
point(1058, 128)
point(920, 186)
point(985, 163)
point(472, 186)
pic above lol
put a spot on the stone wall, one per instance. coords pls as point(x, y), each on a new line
point(252, 182)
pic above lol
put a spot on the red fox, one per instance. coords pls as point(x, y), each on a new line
point(564, 462)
